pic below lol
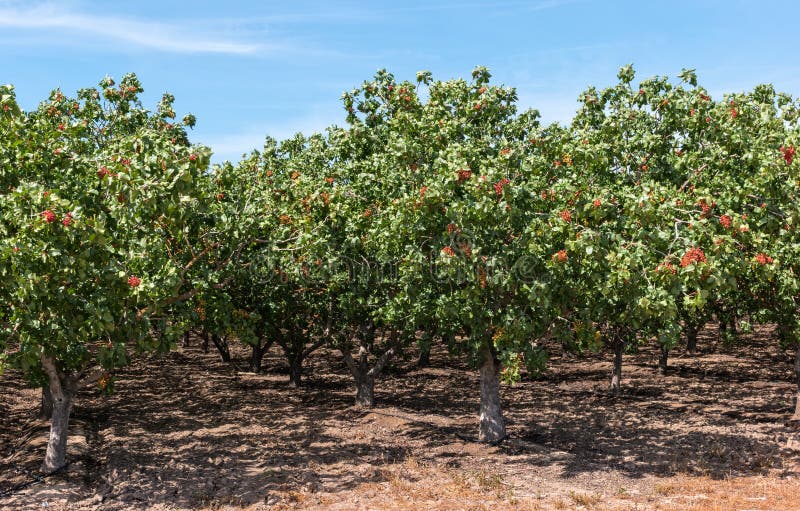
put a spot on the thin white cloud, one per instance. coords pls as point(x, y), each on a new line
point(144, 34)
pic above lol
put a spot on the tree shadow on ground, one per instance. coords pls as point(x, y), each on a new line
point(187, 430)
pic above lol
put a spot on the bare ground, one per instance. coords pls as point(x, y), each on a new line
point(185, 431)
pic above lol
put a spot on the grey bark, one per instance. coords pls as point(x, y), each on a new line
point(364, 375)
point(296, 371)
point(491, 426)
point(257, 355)
point(424, 359)
point(62, 389)
point(46, 408)
point(616, 373)
point(222, 346)
point(365, 392)
point(691, 337)
point(663, 359)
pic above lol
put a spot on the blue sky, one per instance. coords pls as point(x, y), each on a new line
point(251, 68)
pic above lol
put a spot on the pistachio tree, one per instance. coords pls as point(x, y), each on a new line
point(98, 236)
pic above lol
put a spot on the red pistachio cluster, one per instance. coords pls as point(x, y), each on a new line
point(692, 256)
point(498, 186)
point(763, 259)
point(788, 154)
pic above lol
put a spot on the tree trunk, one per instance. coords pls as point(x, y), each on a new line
point(256, 357)
point(205, 341)
point(296, 370)
point(424, 359)
point(222, 347)
point(364, 376)
point(662, 360)
point(365, 392)
point(616, 373)
point(62, 389)
point(796, 416)
point(491, 426)
point(691, 338)
point(185, 342)
point(46, 408)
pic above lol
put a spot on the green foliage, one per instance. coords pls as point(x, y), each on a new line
point(104, 224)
point(439, 210)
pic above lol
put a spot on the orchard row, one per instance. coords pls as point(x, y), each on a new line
point(438, 213)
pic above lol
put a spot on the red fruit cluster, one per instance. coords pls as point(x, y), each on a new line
point(498, 186)
point(464, 175)
point(734, 113)
point(597, 203)
point(566, 216)
point(706, 207)
point(560, 256)
point(104, 172)
point(134, 281)
point(763, 259)
point(449, 251)
point(788, 154)
point(422, 191)
point(67, 221)
point(451, 228)
point(482, 278)
point(704, 97)
point(666, 268)
point(192, 157)
point(692, 256)
point(125, 161)
point(49, 216)
point(725, 221)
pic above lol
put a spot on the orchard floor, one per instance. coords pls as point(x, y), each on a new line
point(186, 431)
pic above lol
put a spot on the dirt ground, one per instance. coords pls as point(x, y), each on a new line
point(186, 431)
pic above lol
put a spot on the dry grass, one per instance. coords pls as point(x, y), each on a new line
point(438, 489)
point(416, 486)
point(752, 493)
point(585, 500)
